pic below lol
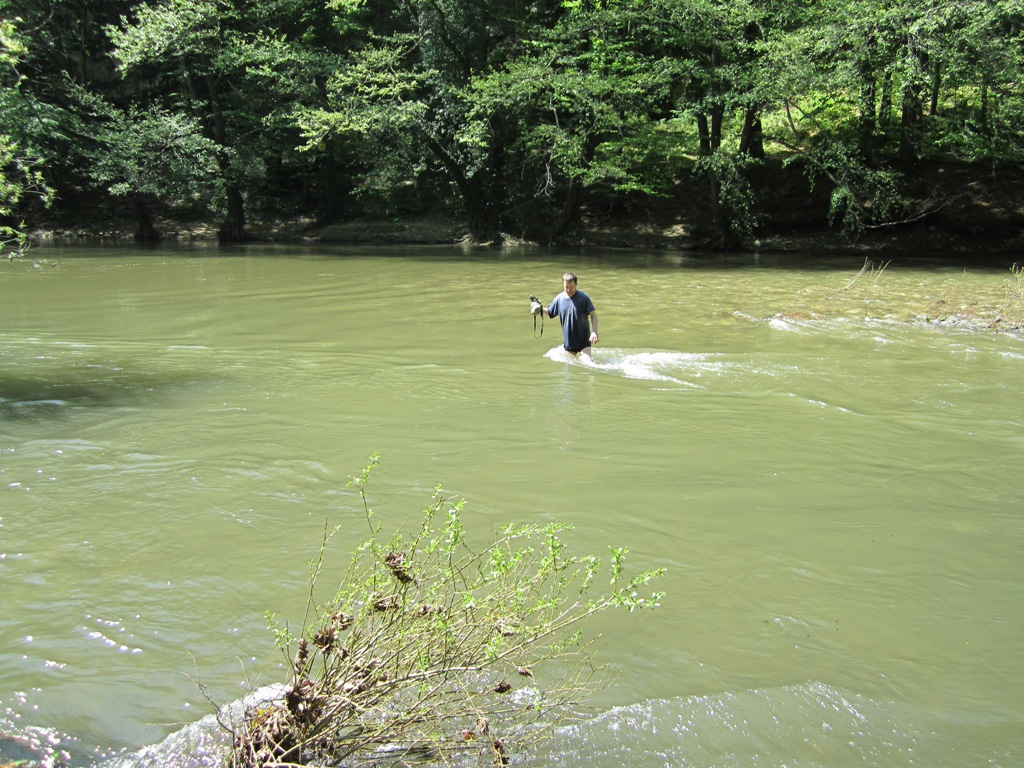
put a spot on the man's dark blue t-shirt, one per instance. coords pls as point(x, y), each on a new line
point(574, 314)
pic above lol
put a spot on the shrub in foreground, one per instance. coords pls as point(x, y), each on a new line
point(433, 649)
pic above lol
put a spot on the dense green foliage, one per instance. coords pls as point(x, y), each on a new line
point(20, 175)
point(518, 117)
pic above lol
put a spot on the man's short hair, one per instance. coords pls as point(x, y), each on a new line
point(570, 276)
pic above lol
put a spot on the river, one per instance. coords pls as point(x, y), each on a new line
point(836, 495)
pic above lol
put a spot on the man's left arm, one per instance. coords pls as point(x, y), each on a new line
point(593, 327)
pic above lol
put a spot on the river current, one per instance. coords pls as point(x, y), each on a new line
point(831, 481)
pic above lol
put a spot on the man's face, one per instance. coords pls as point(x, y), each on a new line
point(570, 287)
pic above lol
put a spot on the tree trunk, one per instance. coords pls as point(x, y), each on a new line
point(868, 111)
point(912, 109)
point(717, 118)
point(574, 197)
point(145, 231)
point(885, 103)
point(752, 137)
point(709, 128)
point(983, 108)
point(717, 107)
point(329, 199)
point(910, 123)
point(233, 228)
point(481, 216)
point(720, 234)
point(704, 132)
point(933, 103)
point(709, 123)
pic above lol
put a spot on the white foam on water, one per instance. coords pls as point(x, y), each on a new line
point(645, 365)
point(779, 324)
point(806, 725)
point(810, 725)
point(203, 744)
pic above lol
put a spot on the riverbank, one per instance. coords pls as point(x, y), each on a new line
point(948, 208)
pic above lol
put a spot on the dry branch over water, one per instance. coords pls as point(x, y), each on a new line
point(432, 649)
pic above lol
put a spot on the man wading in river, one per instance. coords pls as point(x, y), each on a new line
point(576, 312)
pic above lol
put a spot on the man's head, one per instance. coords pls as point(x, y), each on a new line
point(569, 283)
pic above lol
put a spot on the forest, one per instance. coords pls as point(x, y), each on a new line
point(521, 120)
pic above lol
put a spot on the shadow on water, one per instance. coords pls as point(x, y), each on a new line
point(51, 395)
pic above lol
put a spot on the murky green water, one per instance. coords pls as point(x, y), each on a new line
point(838, 502)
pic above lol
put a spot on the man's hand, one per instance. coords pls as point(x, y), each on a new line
point(535, 308)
